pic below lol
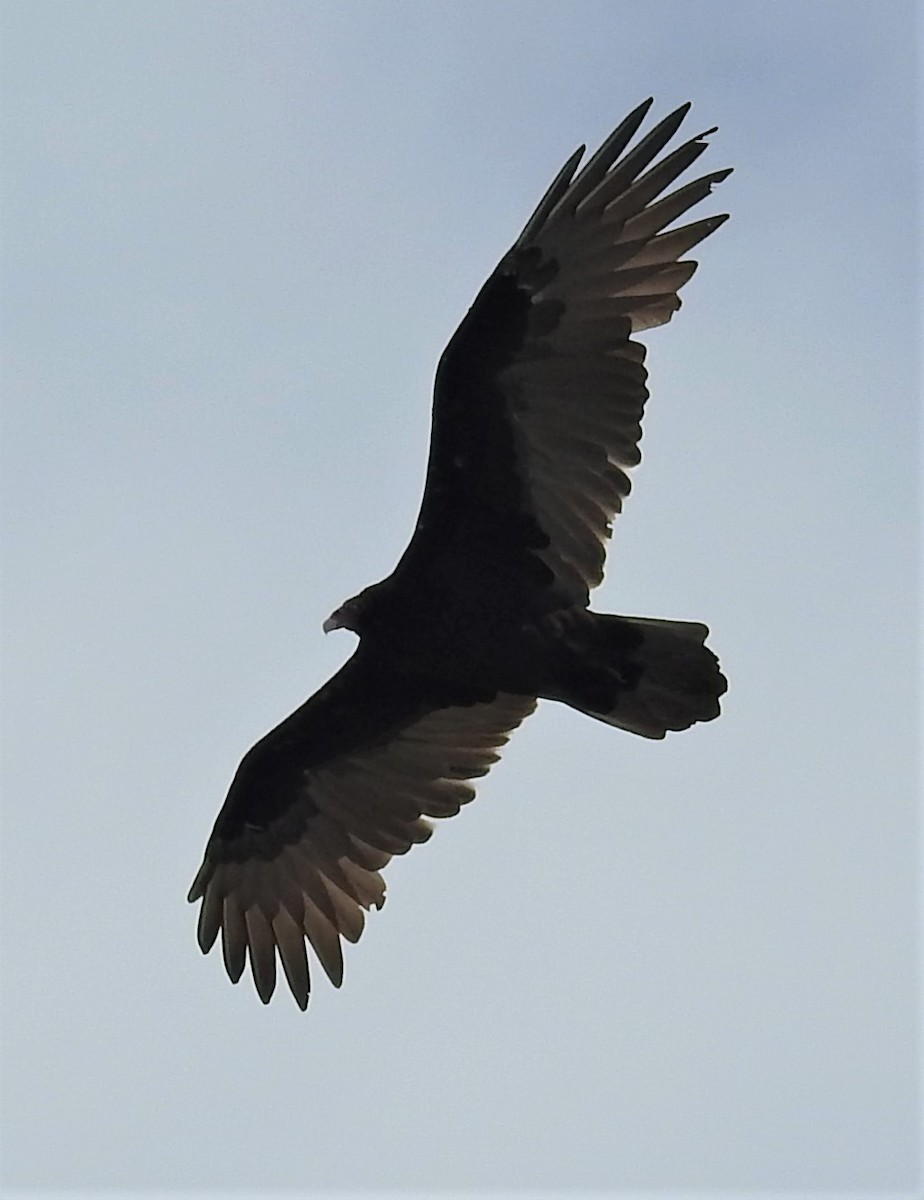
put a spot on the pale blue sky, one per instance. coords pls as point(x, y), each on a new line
point(236, 238)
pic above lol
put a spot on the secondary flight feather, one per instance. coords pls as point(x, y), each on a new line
point(536, 420)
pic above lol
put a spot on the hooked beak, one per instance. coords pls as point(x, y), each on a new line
point(333, 622)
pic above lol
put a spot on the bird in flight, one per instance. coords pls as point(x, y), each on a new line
point(537, 407)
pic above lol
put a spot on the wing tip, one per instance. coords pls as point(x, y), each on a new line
point(197, 887)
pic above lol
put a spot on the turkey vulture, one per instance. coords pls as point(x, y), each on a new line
point(537, 404)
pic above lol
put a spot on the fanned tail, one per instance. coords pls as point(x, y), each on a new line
point(667, 679)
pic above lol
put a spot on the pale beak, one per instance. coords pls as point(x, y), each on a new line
point(333, 622)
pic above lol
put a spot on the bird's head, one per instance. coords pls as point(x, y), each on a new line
point(354, 614)
point(344, 617)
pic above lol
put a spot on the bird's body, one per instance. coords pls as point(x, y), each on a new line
point(536, 418)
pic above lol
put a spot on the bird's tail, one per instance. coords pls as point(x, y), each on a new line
point(665, 678)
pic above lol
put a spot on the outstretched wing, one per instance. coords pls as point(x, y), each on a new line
point(320, 805)
point(539, 394)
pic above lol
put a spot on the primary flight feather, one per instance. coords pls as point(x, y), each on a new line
point(536, 420)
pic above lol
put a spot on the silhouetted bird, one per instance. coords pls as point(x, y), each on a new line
point(536, 419)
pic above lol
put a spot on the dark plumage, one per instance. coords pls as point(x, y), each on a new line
point(536, 419)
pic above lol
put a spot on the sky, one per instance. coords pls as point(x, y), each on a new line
point(235, 240)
